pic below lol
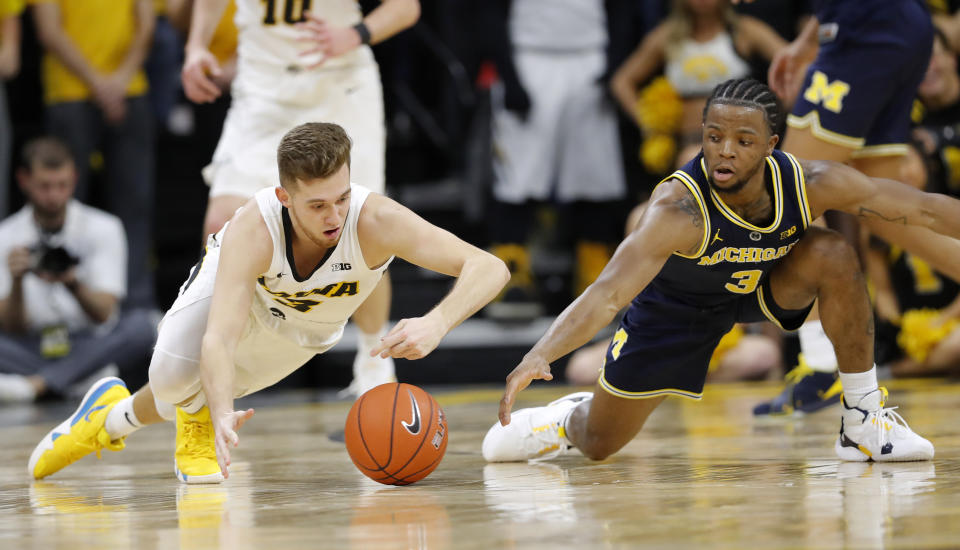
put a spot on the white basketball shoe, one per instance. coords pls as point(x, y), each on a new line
point(868, 431)
point(535, 433)
point(368, 373)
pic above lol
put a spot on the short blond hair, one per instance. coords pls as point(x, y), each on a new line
point(312, 150)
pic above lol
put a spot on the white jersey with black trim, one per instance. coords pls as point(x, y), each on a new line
point(269, 45)
point(311, 309)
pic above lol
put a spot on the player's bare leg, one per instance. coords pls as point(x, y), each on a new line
point(824, 266)
point(371, 320)
point(601, 426)
point(219, 211)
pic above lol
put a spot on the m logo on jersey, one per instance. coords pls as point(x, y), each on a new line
point(829, 94)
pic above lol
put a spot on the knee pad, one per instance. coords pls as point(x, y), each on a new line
point(173, 379)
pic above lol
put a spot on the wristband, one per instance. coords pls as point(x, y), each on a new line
point(363, 31)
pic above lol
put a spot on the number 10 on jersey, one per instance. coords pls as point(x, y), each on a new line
point(293, 11)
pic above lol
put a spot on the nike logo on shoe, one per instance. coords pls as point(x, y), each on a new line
point(414, 425)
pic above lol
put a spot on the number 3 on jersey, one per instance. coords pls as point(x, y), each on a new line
point(293, 11)
point(746, 281)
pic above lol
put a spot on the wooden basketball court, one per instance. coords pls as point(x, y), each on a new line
point(701, 475)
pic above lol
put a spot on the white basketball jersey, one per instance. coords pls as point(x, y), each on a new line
point(312, 308)
point(269, 45)
point(309, 309)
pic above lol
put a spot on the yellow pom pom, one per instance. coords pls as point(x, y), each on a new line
point(659, 109)
point(727, 343)
point(918, 333)
point(657, 153)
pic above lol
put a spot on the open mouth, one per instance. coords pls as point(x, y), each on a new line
point(722, 174)
point(331, 233)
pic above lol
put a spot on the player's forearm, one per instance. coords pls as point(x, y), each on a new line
point(941, 252)
point(206, 15)
point(142, 39)
point(391, 17)
point(479, 281)
point(578, 323)
point(943, 213)
point(217, 374)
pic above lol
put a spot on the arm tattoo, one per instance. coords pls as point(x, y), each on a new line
point(867, 213)
point(690, 207)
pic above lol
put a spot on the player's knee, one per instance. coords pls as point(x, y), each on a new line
point(173, 379)
point(833, 255)
point(598, 448)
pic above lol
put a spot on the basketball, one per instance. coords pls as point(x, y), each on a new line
point(396, 434)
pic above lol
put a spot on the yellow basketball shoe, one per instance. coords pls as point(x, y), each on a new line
point(195, 460)
point(82, 433)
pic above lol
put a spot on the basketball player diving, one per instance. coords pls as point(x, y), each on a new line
point(725, 239)
point(274, 287)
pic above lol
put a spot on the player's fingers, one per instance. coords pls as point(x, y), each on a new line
point(311, 17)
point(392, 338)
point(310, 51)
point(242, 417)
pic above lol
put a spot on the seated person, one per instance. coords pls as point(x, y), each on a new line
point(917, 308)
point(701, 44)
point(64, 277)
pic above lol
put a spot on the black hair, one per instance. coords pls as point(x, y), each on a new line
point(747, 92)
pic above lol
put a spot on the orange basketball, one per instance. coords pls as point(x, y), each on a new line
point(396, 434)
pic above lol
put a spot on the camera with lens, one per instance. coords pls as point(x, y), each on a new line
point(52, 259)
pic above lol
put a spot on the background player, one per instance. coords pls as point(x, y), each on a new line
point(696, 265)
point(297, 65)
point(275, 287)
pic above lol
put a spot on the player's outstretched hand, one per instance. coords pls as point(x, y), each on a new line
point(226, 427)
point(198, 68)
point(411, 338)
point(533, 367)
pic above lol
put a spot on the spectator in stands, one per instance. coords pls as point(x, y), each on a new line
point(701, 44)
point(9, 66)
point(554, 138)
point(64, 276)
point(917, 308)
point(95, 92)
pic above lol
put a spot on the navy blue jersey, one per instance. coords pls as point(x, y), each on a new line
point(735, 255)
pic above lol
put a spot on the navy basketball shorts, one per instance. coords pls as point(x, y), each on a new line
point(859, 91)
point(663, 346)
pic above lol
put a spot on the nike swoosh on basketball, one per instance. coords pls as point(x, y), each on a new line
point(414, 425)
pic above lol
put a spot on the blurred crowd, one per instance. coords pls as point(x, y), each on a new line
point(550, 119)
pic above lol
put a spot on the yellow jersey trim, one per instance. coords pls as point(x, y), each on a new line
point(685, 179)
point(765, 309)
point(612, 390)
point(801, 184)
point(885, 150)
point(777, 201)
point(812, 120)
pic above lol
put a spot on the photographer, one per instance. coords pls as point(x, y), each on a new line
point(65, 276)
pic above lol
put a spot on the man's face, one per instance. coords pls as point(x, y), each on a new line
point(939, 81)
point(319, 206)
point(48, 189)
point(736, 139)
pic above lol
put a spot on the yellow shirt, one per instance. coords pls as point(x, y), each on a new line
point(223, 45)
point(10, 7)
point(103, 31)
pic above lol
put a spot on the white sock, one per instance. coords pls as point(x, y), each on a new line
point(367, 341)
point(816, 347)
point(858, 384)
point(122, 421)
point(167, 411)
